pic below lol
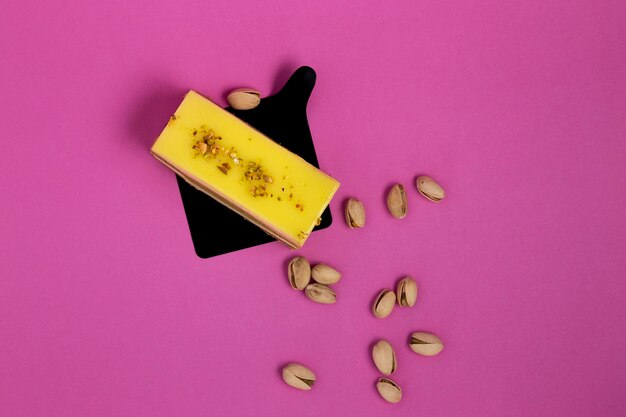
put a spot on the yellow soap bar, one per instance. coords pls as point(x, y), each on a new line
point(240, 167)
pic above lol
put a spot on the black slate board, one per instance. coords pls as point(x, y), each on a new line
point(281, 117)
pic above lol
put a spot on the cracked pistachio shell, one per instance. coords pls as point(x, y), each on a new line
point(406, 292)
point(244, 98)
point(355, 213)
point(425, 344)
point(298, 376)
point(384, 357)
point(325, 274)
point(430, 189)
point(384, 303)
point(299, 273)
point(320, 293)
point(396, 201)
point(389, 390)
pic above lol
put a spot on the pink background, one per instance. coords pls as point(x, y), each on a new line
point(518, 108)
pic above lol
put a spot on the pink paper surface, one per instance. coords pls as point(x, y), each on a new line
point(518, 108)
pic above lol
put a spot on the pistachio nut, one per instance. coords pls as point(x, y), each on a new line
point(389, 390)
point(430, 189)
point(202, 148)
point(425, 344)
point(383, 305)
point(244, 98)
point(406, 292)
point(320, 293)
point(298, 376)
point(355, 213)
point(396, 201)
point(299, 273)
point(384, 357)
point(325, 274)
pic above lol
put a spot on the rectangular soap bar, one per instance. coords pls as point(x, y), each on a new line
point(245, 170)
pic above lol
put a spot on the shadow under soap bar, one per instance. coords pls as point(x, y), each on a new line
point(243, 169)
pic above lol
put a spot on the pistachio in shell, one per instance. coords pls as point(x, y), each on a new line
point(384, 357)
point(430, 189)
point(389, 390)
point(396, 201)
point(355, 213)
point(425, 344)
point(320, 293)
point(325, 274)
point(406, 292)
point(244, 98)
point(299, 273)
point(384, 303)
point(298, 376)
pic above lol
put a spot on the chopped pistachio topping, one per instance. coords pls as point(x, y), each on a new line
point(209, 145)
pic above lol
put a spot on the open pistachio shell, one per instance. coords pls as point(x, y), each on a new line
point(406, 292)
point(244, 98)
point(355, 213)
point(384, 303)
point(425, 344)
point(299, 273)
point(430, 189)
point(298, 376)
point(389, 390)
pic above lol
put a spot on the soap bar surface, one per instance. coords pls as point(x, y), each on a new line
point(245, 170)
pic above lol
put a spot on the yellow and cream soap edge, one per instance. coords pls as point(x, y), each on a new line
point(243, 169)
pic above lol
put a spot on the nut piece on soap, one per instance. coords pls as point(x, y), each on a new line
point(325, 274)
point(298, 376)
point(396, 201)
point(384, 357)
point(425, 344)
point(406, 292)
point(430, 189)
point(244, 98)
point(384, 303)
point(389, 390)
point(320, 293)
point(299, 273)
point(355, 213)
